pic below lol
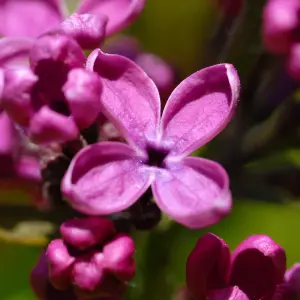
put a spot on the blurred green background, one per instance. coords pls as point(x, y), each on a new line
point(179, 31)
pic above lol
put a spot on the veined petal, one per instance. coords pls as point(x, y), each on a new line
point(258, 265)
point(82, 92)
point(230, 293)
point(207, 266)
point(129, 98)
point(120, 13)
point(48, 126)
point(194, 192)
point(14, 50)
point(87, 29)
point(29, 17)
point(199, 108)
point(105, 178)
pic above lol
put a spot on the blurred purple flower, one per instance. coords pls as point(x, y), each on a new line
point(255, 270)
point(109, 177)
point(90, 261)
point(161, 72)
point(16, 16)
point(19, 170)
point(281, 32)
point(43, 98)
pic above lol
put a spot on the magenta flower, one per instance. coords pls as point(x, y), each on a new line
point(44, 290)
point(51, 98)
point(16, 16)
point(109, 177)
point(281, 26)
point(90, 260)
point(255, 270)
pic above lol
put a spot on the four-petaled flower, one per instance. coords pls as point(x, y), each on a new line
point(108, 177)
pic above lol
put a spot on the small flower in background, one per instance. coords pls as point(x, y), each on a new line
point(109, 177)
point(90, 261)
point(16, 16)
point(280, 32)
point(256, 269)
point(42, 98)
point(160, 71)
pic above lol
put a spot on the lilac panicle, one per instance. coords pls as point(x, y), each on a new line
point(255, 269)
point(91, 259)
point(108, 177)
point(280, 32)
point(16, 16)
point(57, 86)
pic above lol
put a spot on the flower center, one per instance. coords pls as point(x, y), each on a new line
point(156, 155)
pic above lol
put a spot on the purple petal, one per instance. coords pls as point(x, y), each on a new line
point(9, 140)
point(52, 56)
point(29, 17)
point(39, 276)
point(230, 293)
point(60, 264)
point(86, 232)
point(87, 29)
point(119, 257)
point(292, 277)
point(129, 98)
point(194, 192)
point(207, 266)
point(105, 178)
point(82, 92)
point(16, 94)
point(199, 108)
point(47, 126)
point(14, 50)
point(258, 265)
point(120, 13)
point(28, 169)
point(280, 20)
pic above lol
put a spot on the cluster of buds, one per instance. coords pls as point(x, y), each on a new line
point(255, 270)
point(89, 261)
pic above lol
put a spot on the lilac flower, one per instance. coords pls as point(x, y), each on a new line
point(281, 26)
point(109, 177)
point(91, 260)
point(255, 270)
point(16, 16)
point(43, 98)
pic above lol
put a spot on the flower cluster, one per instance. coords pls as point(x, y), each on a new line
point(256, 269)
point(90, 261)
